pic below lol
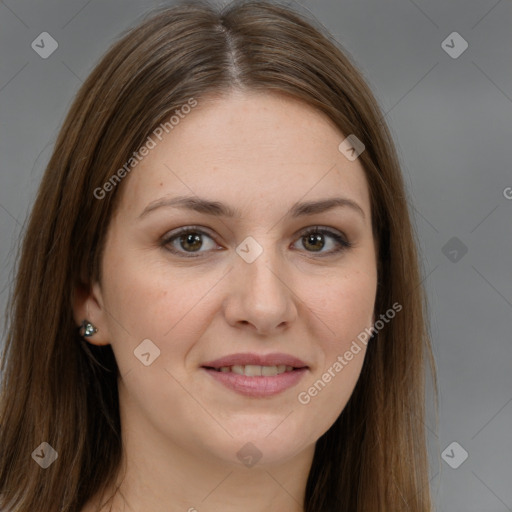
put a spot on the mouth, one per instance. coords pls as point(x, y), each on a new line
point(257, 375)
point(254, 370)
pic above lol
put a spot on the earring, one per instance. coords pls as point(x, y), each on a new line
point(87, 329)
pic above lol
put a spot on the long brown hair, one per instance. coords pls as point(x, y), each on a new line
point(59, 389)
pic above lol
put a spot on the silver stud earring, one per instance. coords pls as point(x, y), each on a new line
point(87, 329)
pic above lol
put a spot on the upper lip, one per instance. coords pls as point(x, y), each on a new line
point(275, 359)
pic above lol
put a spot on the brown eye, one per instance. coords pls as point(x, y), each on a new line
point(187, 241)
point(315, 239)
point(191, 241)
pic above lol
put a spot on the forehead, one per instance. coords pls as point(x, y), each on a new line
point(254, 151)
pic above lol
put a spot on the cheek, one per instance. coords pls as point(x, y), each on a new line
point(346, 310)
point(345, 306)
point(142, 296)
point(148, 300)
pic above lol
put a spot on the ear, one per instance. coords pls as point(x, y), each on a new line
point(87, 303)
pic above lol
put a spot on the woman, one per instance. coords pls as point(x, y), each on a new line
point(218, 304)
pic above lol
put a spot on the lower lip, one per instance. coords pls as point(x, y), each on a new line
point(258, 386)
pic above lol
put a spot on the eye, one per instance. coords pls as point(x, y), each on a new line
point(188, 240)
point(314, 238)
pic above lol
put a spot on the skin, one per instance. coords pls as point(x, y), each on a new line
point(259, 153)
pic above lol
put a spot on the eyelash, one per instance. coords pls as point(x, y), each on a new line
point(166, 241)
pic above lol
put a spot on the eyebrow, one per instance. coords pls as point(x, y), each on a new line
point(218, 209)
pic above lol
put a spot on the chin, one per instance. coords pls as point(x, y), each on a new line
point(264, 444)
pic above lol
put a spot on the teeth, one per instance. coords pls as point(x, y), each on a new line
point(239, 370)
point(254, 370)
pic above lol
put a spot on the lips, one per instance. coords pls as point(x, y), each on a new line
point(245, 359)
point(257, 375)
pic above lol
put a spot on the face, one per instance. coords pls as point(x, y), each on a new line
point(196, 316)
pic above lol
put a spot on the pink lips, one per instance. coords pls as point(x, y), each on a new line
point(262, 360)
point(258, 386)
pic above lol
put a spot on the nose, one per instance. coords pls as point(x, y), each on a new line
point(260, 295)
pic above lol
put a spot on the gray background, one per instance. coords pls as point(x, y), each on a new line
point(452, 122)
